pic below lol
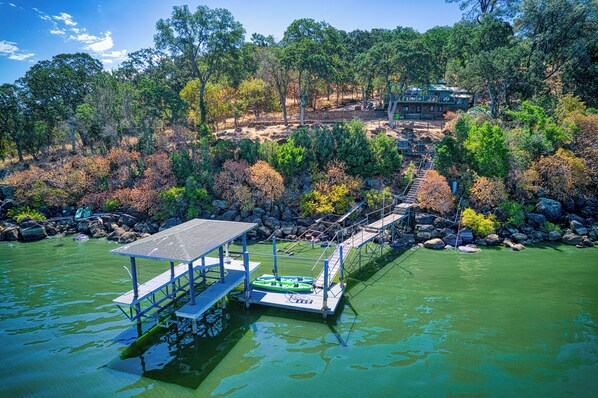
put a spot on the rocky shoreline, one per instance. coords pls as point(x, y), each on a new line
point(576, 223)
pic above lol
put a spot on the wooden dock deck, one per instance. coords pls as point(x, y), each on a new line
point(204, 300)
point(309, 302)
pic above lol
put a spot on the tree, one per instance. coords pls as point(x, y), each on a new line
point(11, 119)
point(217, 101)
point(205, 39)
point(386, 155)
point(402, 61)
point(488, 150)
point(489, 192)
point(273, 70)
point(255, 95)
point(476, 9)
point(312, 49)
point(556, 33)
point(290, 158)
point(55, 88)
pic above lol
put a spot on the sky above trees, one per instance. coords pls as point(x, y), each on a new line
point(33, 30)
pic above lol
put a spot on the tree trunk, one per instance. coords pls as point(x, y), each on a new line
point(363, 99)
point(19, 150)
point(72, 137)
point(283, 105)
point(392, 107)
point(202, 104)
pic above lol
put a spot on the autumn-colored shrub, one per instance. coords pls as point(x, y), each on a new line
point(377, 199)
point(233, 174)
point(479, 224)
point(434, 193)
point(562, 175)
point(488, 192)
point(267, 183)
point(585, 143)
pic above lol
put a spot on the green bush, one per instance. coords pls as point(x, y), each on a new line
point(111, 205)
point(549, 227)
point(375, 198)
point(289, 158)
point(20, 213)
point(479, 224)
point(514, 212)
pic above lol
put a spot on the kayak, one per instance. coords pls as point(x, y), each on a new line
point(282, 286)
point(286, 278)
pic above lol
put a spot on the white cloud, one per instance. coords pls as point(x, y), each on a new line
point(21, 56)
point(115, 54)
point(58, 32)
point(85, 38)
point(8, 47)
point(107, 61)
point(66, 18)
point(101, 45)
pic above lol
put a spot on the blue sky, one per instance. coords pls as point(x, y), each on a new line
point(34, 30)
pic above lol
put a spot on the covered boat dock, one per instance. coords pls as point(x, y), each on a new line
point(187, 244)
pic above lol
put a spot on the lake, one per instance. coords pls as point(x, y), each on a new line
point(421, 324)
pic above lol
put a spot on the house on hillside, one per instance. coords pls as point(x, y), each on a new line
point(433, 103)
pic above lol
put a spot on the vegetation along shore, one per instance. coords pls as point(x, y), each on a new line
point(488, 127)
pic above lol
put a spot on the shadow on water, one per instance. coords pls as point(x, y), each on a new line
point(180, 357)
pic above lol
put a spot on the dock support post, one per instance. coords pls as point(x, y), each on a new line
point(340, 252)
point(191, 285)
point(246, 266)
point(325, 300)
point(135, 291)
point(275, 270)
point(203, 270)
point(221, 258)
point(172, 279)
point(194, 326)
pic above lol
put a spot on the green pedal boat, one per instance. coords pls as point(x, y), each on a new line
point(282, 286)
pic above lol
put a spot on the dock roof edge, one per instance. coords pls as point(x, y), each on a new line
point(186, 242)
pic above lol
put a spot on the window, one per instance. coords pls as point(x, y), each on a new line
point(431, 108)
point(406, 108)
point(418, 108)
point(439, 108)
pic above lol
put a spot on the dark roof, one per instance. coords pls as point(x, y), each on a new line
point(186, 242)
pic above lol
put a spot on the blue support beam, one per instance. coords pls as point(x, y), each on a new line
point(325, 301)
point(275, 270)
point(221, 259)
point(191, 285)
point(340, 252)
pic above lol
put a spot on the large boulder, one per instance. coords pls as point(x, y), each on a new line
point(171, 222)
point(553, 236)
point(422, 218)
point(551, 209)
point(220, 204)
point(466, 235)
point(519, 237)
point(271, 222)
point(536, 219)
point(570, 238)
point(116, 234)
point(452, 240)
point(435, 244)
point(127, 237)
point(32, 233)
point(11, 234)
point(83, 227)
point(578, 227)
point(6, 191)
point(493, 240)
point(128, 220)
point(287, 215)
point(230, 215)
point(264, 231)
point(97, 230)
point(514, 246)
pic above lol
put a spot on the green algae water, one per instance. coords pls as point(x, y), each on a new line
point(422, 324)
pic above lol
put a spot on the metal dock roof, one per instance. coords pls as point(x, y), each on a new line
point(186, 242)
